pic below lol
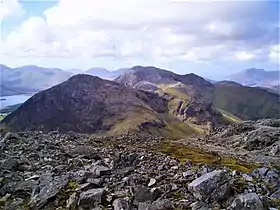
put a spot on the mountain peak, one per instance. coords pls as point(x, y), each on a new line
point(254, 71)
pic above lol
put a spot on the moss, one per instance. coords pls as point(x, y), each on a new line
point(275, 203)
point(64, 194)
point(239, 185)
point(198, 156)
point(178, 195)
point(237, 165)
point(72, 185)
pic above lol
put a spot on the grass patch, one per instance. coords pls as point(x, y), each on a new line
point(132, 120)
point(198, 156)
point(230, 116)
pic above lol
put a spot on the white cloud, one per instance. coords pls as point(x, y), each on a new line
point(155, 30)
point(244, 56)
point(10, 8)
point(274, 54)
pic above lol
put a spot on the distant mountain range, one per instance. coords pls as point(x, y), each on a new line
point(146, 99)
point(32, 79)
point(104, 73)
point(29, 79)
point(257, 78)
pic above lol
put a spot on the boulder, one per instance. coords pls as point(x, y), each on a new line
point(249, 201)
point(91, 198)
point(142, 194)
point(211, 186)
point(120, 204)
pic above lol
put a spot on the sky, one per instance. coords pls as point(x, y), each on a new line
point(211, 38)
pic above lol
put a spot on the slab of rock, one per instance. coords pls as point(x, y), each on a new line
point(211, 186)
point(91, 198)
point(48, 188)
point(120, 204)
point(249, 201)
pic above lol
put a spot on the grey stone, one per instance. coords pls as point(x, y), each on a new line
point(199, 206)
point(276, 195)
point(72, 202)
point(152, 182)
point(100, 170)
point(48, 188)
point(249, 201)
point(142, 194)
point(91, 198)
point(275, 151)
point(210, 187)
point(188, 173)
point(164, 204)
point(120, 204)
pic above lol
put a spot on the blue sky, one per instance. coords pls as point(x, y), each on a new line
point(210, 38)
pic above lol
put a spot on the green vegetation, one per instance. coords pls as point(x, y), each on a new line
point(2, 116)
point(172, 90)
point(10, 109)
point(229, 116)
point(184, 153)
point(275, 203)
point(246, 102)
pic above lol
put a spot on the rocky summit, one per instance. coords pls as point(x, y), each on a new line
point(78, 171)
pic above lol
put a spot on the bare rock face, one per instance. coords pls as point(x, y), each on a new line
point(211, 186)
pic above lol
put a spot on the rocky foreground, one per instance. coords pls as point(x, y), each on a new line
point(74, 171)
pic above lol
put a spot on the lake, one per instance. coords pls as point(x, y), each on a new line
point(12, 100)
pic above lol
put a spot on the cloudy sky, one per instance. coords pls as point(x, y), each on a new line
point(210, 38)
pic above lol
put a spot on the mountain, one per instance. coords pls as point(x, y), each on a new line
point(227, 83)
point(3, 68)
point(231, 99)
point(187, 94)
point(30, 79)
point(248, 103)
point(88, 104)
point(257, 78)
point(104, 73)
point(156, 76)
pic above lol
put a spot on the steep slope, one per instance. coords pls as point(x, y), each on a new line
point(89, 104)
point(257, 77)
point(247, 102)
point(156, 76)
point(188, 95)
point(31, 79)
point(234, 101)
